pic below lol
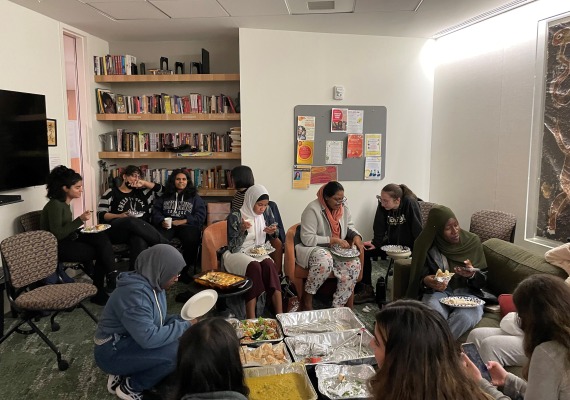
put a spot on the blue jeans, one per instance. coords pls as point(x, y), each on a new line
point(460, 320)
point(145, 367)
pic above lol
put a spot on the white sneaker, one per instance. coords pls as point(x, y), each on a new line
point(113, 381)
point(125, 392)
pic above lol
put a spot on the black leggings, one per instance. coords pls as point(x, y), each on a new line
point(189, 236)
point(137, 233)
point(86, 248)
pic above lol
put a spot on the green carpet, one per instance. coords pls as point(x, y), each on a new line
point(29, 369)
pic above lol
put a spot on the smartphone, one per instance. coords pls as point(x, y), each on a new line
point(471, 351)
point(273, 224)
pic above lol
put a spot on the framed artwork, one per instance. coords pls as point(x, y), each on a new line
point(548, 208)
point(52, 132)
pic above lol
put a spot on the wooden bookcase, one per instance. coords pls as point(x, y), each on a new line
point(186, 81)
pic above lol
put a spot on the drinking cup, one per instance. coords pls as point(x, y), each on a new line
point(168, 221)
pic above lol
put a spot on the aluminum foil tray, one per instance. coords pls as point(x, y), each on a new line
point(285, 369)
point(328, 348)
point(266, 360)
point(245, 339)
point(319, 321)
point(344, 381)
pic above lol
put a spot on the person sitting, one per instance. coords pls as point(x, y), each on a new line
point(325, 222)
point(397, 222)
point(136, 340)
point(64, 185)
point(503, 345)
point(127, 208)
point(187, 211)
point(242, 178)
point(542, 303)
point(444, 246)
point(209, 365)
point(418, 358)
point(253, 225)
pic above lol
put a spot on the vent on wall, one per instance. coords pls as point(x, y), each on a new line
point(482, 17)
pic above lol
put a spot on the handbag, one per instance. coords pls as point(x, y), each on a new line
point(289, 295)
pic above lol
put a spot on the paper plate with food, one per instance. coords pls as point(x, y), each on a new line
point(342, 252)
point(135, 214)
point(260, 250)
point(95, 228)
point(462, 301)
point(443, 276)
point(395, 248)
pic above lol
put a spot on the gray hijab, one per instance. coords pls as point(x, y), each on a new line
point(159, 264)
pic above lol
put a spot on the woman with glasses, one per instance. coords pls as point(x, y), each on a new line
point(326, 222)
point(397, 222)
point(542, 303)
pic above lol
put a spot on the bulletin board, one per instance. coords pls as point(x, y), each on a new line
point(351, 169)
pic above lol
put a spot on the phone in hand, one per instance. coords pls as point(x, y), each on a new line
point(273, 224)
point(471, 351)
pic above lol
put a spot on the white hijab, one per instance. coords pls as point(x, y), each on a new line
point(250, 198)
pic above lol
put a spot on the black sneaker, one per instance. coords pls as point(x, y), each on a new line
point(125, 392)
point(112, 281)
point(100, 298)
point(366, 295)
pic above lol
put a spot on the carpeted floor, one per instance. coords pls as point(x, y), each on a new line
point(28, 368)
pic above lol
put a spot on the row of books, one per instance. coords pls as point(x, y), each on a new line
point(213, 178)
point(155, 141)
point(194, 103)
point(235, 138)
point(114, 65)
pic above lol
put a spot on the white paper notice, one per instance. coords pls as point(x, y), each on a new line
point(373, 168)
point(334, 152)
point(373, 145)
point(54, 161)
point(355, 121)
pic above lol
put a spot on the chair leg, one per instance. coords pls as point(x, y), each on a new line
point(93, 317)
point(61, 363)
point(54, 325)
point(14, 329)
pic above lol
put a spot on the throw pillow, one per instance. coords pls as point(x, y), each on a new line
point(506, 304)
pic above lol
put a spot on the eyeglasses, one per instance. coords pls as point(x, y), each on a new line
point(341, 201)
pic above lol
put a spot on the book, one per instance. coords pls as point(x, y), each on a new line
point(121, 106)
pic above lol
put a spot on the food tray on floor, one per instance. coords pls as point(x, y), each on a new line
point(319, 321)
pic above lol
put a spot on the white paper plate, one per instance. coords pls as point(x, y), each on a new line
point(268, 250)
point(395, 248)
point(96, 228)
point(342, 252)
point(462, 301)
point(136, 214)
point(199, 304)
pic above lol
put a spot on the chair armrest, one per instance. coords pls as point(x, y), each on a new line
point(401, 277)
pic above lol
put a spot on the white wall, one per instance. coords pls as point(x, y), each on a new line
point(483, 103)
point(280, 70)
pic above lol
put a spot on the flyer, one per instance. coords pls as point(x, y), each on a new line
point(373, 168)
point(324, 174)
point(305, 127)
point(338, 119)
point(355, 121)
point(373, 145)
point(301, 177)
point(354, 146)
point(333, 153)
point(305, 151)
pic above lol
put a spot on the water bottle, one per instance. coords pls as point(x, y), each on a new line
point(380, 292)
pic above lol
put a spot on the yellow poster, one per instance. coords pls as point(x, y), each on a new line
point(305, 151)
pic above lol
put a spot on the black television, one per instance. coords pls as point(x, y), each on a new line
point(24, 157)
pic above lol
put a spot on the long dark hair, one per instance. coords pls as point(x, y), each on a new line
point(242, 177)
point(542, 303)
point(420, 355)
point(59, 177)
point(208, 359)
point(398, 191)
point(170, 187)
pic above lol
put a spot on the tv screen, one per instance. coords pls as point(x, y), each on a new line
point(24, 159)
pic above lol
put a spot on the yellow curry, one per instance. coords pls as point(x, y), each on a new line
point(289, 386)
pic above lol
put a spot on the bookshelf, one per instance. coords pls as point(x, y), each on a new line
point(180, 83)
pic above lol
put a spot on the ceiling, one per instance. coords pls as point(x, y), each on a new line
point(172, 20)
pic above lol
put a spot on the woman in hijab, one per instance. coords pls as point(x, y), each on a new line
point(444, 245)
point(325, 222)
point(136, 340)
point(253, 225)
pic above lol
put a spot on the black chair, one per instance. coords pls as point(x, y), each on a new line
point(28, 258)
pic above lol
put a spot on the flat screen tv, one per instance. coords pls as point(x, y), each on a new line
point(24, 159)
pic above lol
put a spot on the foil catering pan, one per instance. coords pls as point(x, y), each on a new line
point(319, 321)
